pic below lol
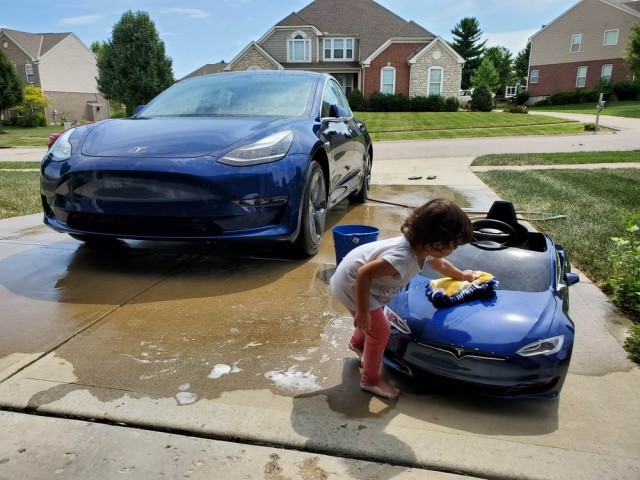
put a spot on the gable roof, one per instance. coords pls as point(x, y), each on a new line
point(370, 22)
point(36, 45)
point(629, 6)
point(438, 41)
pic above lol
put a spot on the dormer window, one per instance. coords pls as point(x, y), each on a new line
point(338, 49)
point(299, 48)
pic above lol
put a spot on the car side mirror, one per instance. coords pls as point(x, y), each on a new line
point(571, 278)
point(137, 110)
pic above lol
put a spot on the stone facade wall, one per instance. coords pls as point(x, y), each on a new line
point(452, 73)
point(253, 58)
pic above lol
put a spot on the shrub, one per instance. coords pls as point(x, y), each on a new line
point(624, 284)
point(419, 103)
point(522, 97)
point(590, 127)
point(513, 108)
point(626, 89)
point(451, 104)
point(385, 102)
point(543, 103)
point(356, 100)
point(481, 99)
point(632, 343)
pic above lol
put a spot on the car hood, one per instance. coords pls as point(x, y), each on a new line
point(499, 325)
point(175, 137)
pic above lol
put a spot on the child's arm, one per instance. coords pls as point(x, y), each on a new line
point(365, 274)
point(448, 269)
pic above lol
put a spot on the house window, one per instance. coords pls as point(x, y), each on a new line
point(338, 49)
point(576, 41)
point(299, 48)
point(534, 76)
point(345, 80)
point(610, 37)
point(388, 80)
point(435, 81)
point(28, 70)
point(605, 75)
point(581, 77)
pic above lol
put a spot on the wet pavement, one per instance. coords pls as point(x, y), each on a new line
point(178, 360)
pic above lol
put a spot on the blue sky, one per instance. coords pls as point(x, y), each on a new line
point(196, 32)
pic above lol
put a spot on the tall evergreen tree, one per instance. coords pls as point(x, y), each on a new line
point(11, 89)
point(466, 41)
point(502, 60)
point(132, 65)
point(521, 63)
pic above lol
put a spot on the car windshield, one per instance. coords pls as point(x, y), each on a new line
point(236, 95)
point(515, 268)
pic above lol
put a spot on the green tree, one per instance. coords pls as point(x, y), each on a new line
point(632, 52)
point(32, 107)
point(521, 63)
point(486, 75)
point(466, 41)
point(11, 91)
point(502, 60)
point(132, 65)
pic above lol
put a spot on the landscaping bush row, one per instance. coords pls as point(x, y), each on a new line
point(622, 90)
point(384, 102)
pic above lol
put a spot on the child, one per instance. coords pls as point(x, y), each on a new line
point(372, 274)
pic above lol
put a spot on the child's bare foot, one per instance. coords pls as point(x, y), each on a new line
point(382, 389)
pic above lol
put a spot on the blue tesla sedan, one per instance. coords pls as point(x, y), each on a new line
point(516, 343)
point(252, 155)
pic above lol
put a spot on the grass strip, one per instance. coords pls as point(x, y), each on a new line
point(593, 202)
point(19, 194)
point(18, 165)
point(569, 158)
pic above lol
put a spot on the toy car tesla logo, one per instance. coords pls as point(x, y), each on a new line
point(137, 149)
point(459, 352)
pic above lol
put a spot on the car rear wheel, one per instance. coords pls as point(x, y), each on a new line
point(314, 212)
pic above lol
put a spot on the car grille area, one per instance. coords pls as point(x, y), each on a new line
point(143, 226)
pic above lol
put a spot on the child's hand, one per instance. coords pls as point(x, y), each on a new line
point(468, 275)
point(362, 320)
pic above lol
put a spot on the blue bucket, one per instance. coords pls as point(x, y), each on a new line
point(348, 237)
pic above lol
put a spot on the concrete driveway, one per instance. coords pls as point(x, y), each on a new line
point(202, 361)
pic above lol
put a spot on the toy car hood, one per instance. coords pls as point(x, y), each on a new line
point(499, 325)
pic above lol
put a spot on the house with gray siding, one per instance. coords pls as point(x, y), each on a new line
point(363, 45)
point(63, 67)
point(582, 47)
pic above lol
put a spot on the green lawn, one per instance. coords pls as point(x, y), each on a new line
point(592, 202)
point(27, 137)
point(431, 125)
point(558, 158)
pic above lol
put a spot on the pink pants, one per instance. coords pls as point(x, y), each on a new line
point(372, 344)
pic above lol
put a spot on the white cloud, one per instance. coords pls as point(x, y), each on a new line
point(514, 41)
point(189, 12)
point(80, 20)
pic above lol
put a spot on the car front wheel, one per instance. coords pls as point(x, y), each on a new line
point(314, 212)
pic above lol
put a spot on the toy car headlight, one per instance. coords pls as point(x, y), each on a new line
point(269, 149)
point(61, 149)
point(542, 347)
point(396, 321)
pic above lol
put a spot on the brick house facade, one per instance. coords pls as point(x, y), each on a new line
point(324, 37)
point(581, 47)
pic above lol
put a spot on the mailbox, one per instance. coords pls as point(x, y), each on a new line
point(602, 104)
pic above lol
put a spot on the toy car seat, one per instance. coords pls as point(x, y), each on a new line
point(505, 212)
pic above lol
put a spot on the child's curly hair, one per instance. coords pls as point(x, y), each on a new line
point(437, 221)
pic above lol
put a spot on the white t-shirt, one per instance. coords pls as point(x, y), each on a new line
point(396, 251)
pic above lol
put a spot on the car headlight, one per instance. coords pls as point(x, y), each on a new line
point(542, 347)
point(396, 321)
point(269, 149)
point(61, 149)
